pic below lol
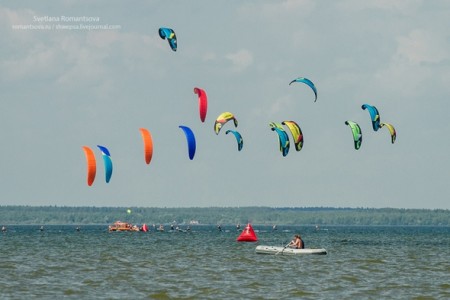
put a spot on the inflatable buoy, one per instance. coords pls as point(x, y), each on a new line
point(247, 235)
point(145, 228)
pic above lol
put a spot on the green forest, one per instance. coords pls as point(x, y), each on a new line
point(60, 215)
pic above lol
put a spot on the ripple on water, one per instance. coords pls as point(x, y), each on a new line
point(92, 264)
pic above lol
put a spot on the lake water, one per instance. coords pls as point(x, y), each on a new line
point(362, 263)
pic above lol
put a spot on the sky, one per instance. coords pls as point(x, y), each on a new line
point(88, 73)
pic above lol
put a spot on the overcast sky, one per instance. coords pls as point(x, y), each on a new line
point(61, 89)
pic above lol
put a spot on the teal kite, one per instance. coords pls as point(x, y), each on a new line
point(374, 116)
point(283, 137)
point(107, 162)
point(308, 83)
point(169, 34)
point(238, 137)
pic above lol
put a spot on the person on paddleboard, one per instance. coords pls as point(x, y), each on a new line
point(297, 242)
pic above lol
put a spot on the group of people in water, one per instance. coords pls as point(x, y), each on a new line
point(296, 243)
point(172, 228)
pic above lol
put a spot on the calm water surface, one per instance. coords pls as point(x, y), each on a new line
point(362, 263)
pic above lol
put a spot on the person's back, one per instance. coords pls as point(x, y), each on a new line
point(299, 242)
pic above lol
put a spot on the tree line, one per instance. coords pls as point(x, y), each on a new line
point(223, 215)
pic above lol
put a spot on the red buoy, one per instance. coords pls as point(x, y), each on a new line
point(247, 235)
point(145, 228)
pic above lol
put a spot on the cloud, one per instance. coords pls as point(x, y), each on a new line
point(89, 57)
point(419, 58)
point(240, 60)
point(209, 56)
point(421, 46)
point(406, 7)
point(39, 62)
point(279, 104)
point(278, 8)
point(10, 17)
point(71, 59)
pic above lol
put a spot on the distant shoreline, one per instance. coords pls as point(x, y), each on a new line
point(322, 216)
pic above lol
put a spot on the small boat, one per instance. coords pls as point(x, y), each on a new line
point(287, 251)
point(123, 226)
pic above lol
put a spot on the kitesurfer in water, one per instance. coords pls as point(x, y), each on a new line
point(297, 242)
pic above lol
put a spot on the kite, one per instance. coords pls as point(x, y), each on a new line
point(374, 115)
point(296, 132)
point(357, 134)
point(222, 119)
point(107, 162)
point(307, 82)
point(391, 131)
point(148, 144)
point(169, 34)
point(282, 137)
point(239, 139)
point(202, 102)
point(190, 138)
point(91, 165)
point(275, 125)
